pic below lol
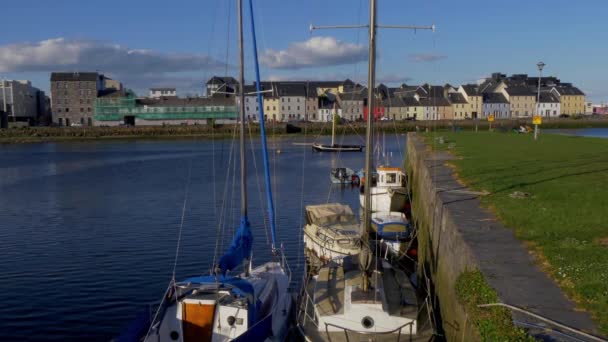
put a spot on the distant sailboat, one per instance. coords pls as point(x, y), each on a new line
point(251, 306)
point(333, 147)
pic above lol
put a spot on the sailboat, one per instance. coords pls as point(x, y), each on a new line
point(333, 147)
point(364, 297)
point(253, 305)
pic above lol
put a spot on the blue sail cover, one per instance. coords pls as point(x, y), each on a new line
point(239, 249)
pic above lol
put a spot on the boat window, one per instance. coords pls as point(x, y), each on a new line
point(336, 219)
point(391, 178)
point(394, 228)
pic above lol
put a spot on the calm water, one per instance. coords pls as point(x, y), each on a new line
point(583, 132)
point(88, 230)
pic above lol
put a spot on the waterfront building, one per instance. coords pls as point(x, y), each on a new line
point(474, 98)
point(588, 108)
point(522, 100)
point(225, 84)
point(292, 98)
point(157, 93)
point(351, 103)
point(109, 83)
point(571, 99)
point(460, 107)
point(495, 104)
point(73, 97)
point(327, 110)
point(549, 105)
point(21, 101)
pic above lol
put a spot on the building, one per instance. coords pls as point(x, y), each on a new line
point(20, 100)
point(73, 97)
point(396, 108)
point(113, 109)
point(109, 83)
point(157, 93)
point(571, 99)
point(413, 109)
point(549, 105)
point(460, 107)
point(292, 98)
point(495, 104)
point(270, 98)
point(352, 103)
point(474, 98)
point(522, 100)
point(225, 84)
point(588, 108)
point(312, 105)
point(327, 110)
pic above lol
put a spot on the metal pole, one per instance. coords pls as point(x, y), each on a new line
point(540, 73)
point(242, 110)
point(333, 124)
point(369, 132)
point(4, 95)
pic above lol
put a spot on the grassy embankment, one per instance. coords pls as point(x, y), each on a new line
point(37, 134)
point(563, 215)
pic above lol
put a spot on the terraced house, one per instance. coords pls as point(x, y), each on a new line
point(571, 99)
point(522, 100)
point(474, 99)
point(460, 106)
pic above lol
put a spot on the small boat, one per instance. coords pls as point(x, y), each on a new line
point(336, 148)
point(392, 229)
point(343, 175)
point(388, 191)
point(332, 232)
point(333, 147)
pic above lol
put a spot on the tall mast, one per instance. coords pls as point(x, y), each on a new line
point(370, 121)
point(333, 124)
point(242, 112)
point(263, 133)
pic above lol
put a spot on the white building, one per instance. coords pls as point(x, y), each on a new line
point(292, 101)
point(495, 104)
point(549, 105)
point(327, 110)
point(221, 84)
point(19, 99)
point(157, 93)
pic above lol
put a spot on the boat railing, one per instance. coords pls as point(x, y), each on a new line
point(561, 329)
point(362, 332)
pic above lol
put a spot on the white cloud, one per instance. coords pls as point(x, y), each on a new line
point(315, 52)
point(426, 57)
point(64, 54)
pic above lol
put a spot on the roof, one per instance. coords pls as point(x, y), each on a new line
point(548, 98)
point(110, 92)
point(291, 89)
point(354, 95)
point(519, 91)
point(74, 76)
point(157, 89)
point(434, 102)
point(471, 90)
point(187, 101)
point(569, 90)
point(456, 98)
point(494, 98)
point(222, 80)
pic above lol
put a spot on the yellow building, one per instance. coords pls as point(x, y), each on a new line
point(474, 100)
point(571, 99)
point(522, 100)
point(460, 107)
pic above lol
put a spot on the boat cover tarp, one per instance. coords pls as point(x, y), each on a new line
point(330, 213)
point(242, 286)
point(239, 249)
point(393, 226)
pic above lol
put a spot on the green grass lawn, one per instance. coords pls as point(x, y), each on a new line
point(565, 218)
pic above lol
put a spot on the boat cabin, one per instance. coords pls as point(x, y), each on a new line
point(390, 177)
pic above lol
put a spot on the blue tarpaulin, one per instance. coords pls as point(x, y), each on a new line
point(239, 249)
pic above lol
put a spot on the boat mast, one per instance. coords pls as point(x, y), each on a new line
point(369, 133)
point(333, 124)
point(263, 134)
point(242, 114)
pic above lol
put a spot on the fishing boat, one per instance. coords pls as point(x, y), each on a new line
point(365, 297)
point(230, 304)
point(392, 229)
point(333, 147)
point(343, 175)
point(332, 232)
point(388, 190)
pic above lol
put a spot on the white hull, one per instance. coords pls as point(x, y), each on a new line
point(381, 200)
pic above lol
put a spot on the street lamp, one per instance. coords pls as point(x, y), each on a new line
point(540, 66)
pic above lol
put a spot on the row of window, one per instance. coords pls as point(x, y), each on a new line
point(67, 110)
point(75, 84)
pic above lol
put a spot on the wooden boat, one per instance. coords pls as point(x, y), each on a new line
point(333, 147)
point(332, 232)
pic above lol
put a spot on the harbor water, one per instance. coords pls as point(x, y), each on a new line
point(89, 229)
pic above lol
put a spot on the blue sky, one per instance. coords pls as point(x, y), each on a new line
point(183, 42)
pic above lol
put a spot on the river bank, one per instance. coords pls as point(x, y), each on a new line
point(552, 193)
point(41, 134)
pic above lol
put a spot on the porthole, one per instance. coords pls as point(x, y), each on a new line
point(231, 320)
point(174, 335)
point(367, 322)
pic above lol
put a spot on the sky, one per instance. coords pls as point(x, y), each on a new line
point(182, 43)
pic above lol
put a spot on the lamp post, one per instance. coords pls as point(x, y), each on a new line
point(540, 66)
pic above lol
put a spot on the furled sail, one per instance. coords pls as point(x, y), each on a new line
point(239, 250)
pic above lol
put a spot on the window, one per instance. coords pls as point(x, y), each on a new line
point(298, 107)
point(67, 110)
point(256, 108)
point(282, 107)
point(267, 107)
point(288, 107)
point(81, 110)
point(59, 110)
point(288, 100)
point(274, 108)
point(89, 109)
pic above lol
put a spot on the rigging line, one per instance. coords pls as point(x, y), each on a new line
point(228, 38)
point(181, 224)
point(257, 178)
point(301, 220)
point(171, 284)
